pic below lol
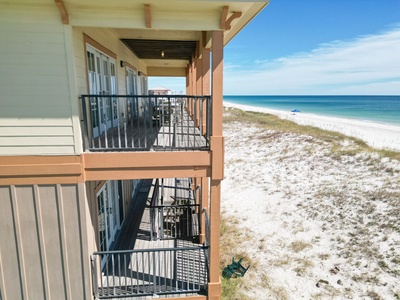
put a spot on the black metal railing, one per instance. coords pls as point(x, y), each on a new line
point(130, 273)
point(132, 122)
point(175, 221)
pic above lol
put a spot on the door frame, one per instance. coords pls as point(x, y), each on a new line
point(102, 80)
point(108, 213)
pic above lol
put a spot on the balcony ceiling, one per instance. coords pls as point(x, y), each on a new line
point(161, 49)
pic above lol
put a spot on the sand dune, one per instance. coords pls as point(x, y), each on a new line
point(319, 226)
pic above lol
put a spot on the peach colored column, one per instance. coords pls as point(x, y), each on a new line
point(204, 186)
point(205, 85)
point(192, 87)
point(189, 101)
point(217, 160)
point(204, 181)
point(188, 79)
point(199, 89)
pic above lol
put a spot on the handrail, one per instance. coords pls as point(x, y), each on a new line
point(148, 250)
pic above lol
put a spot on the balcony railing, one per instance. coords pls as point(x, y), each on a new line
point(179, 219)
point(130, 273)
point(143, 123)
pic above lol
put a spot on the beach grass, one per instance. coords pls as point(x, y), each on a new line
point(279, 126)
point(233, 243)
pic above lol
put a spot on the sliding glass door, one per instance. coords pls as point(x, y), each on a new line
point(102, 81)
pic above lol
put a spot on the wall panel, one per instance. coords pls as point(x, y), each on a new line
point(11, 266)
point(27, 216)
point(43, 242)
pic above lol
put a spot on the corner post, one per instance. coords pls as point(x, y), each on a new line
point(217, 162)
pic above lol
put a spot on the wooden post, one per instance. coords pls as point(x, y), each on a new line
point(205, 85)
point(217, 163)
point(204, 186)
point(214, 286)
point(199, 89)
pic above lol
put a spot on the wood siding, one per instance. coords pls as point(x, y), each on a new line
point(43, 242)
point(37, 115)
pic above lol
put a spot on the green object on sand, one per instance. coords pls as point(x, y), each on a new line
point(234, 270)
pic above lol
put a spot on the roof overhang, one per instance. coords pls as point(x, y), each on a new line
point(172, 26)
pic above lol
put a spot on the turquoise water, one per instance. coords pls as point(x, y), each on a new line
point(378, 109)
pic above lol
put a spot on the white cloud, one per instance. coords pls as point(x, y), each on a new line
point(366, 65)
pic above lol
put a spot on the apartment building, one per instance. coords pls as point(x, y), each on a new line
point(105, 191)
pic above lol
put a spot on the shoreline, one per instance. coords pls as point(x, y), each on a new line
point(376, 135)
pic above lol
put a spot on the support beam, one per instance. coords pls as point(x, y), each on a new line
point(234, 16)
point(103, 166)
point(147, 15)
point(224, 15)
point(63, 11)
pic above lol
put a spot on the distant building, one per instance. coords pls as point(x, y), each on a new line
point(160, 91)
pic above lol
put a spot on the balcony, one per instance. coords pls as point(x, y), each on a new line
point(146, 123)
point(157, 252)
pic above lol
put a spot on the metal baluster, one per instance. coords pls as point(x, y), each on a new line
point(118, 124)
point(112, 121)
point(157, 120)
point(125, 274)
point(119, 272)
point(113, 272)
point(133, 105)
point(169, 122)
point(188, 126)
point(137, 273)
point(125, 114)
point(138, 124)
point(101, 275)
point(194, 121)
point(146, 108)
point(99, 120)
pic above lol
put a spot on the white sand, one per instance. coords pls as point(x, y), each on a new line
point(319, 226)
point(376, 135)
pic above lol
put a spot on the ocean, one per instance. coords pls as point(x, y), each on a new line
point(377, 109)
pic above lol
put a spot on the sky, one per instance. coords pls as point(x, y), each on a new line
point(313, 47)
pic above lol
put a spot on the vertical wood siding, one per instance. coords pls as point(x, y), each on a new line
point(43, 242)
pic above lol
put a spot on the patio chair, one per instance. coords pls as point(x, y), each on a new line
point(235, 269)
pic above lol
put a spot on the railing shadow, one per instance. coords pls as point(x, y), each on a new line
point(151, 271)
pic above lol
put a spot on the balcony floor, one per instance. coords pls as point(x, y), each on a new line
point(177, 134)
